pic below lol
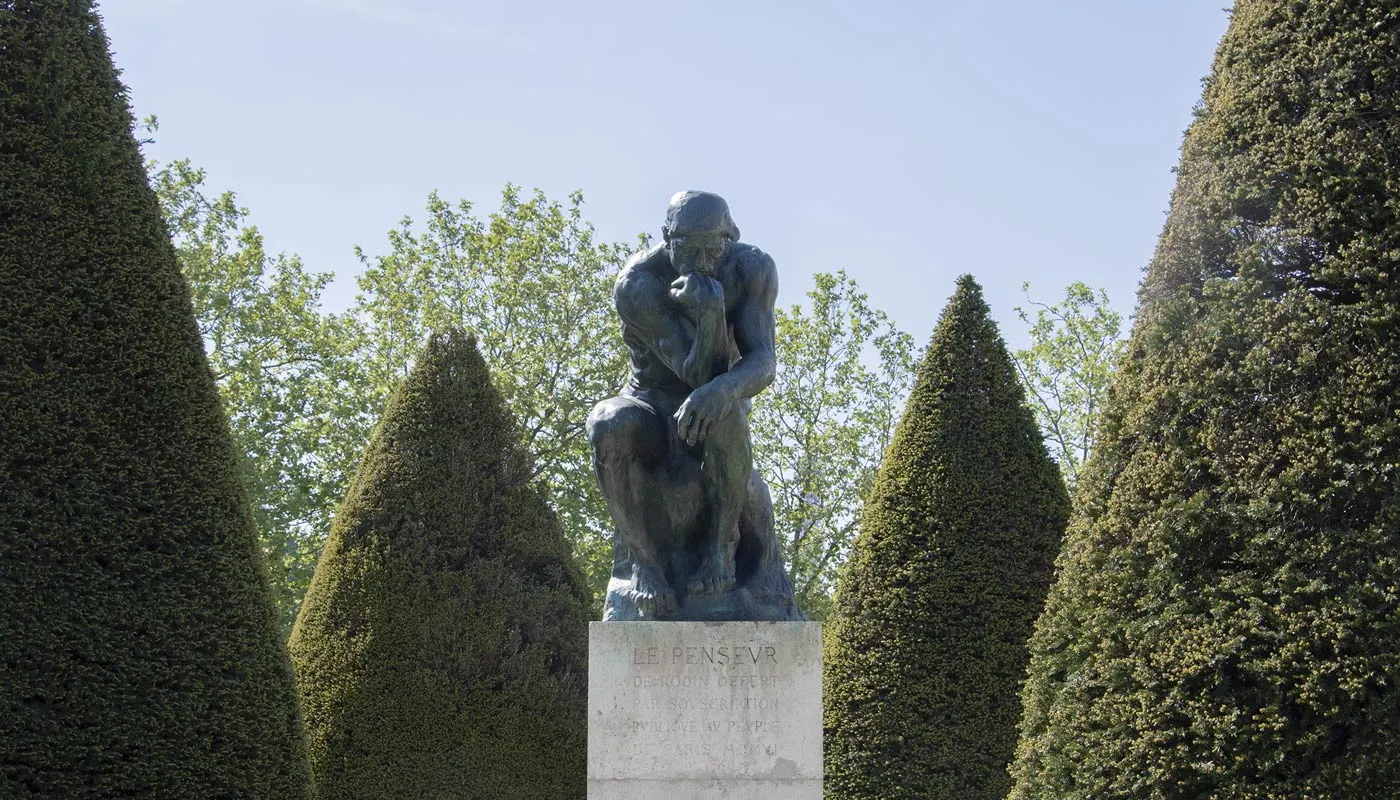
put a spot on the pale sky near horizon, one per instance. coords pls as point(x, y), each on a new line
point(907, 142)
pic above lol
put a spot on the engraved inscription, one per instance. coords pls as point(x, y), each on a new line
point(719, 704)
point(718, 701)
point(719, 656)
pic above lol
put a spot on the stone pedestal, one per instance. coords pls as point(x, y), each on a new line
point(699, 710)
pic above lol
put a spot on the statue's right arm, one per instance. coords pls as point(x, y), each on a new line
point(641, 302)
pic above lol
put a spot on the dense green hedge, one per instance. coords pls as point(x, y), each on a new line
point(927, 652)
point(139, 656)
point(1226, 621)
point(441, 648)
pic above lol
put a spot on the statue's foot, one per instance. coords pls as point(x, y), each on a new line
point(651, 592)
point(715, 575)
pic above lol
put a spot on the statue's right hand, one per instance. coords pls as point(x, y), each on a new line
point(699, 292)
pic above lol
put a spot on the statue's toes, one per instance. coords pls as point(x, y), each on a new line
point(655, 605)
point(711, 584)
point(665, 603)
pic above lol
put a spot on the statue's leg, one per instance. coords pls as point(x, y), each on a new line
point(629, 441)
point(726, 465)
point(762, 555)
point(757, 522)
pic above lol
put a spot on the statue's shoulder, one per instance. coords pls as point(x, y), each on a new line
point(639, 272)
point(642, 262)
point(755, 269)
point(751, 258)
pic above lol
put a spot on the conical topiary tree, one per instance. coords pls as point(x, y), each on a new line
point(1226, 618)
point(139, 656)
point(441, 647)
point(927, 652)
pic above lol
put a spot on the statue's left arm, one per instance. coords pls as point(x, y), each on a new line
point(755, 328)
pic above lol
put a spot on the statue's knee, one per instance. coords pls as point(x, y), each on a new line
point(732, 427)
point(602, 427)
point(618, 430)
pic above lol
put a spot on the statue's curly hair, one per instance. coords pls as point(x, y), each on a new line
point(699, 211)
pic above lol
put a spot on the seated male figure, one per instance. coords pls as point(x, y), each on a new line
point(697, 316)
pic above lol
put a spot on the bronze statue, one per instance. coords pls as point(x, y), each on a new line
point(694, 521)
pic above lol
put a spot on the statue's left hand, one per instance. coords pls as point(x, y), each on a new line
point(705, 406)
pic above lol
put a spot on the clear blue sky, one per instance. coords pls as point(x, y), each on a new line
point(908, 142)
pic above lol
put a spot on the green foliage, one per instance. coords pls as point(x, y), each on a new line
point(298, 403)
point(139, 655)
point(302, 386)
point(1225, 621)
point(928, 648)
point(536, 289)
point(819, 431)
point(441, 648)
point(1067, 369)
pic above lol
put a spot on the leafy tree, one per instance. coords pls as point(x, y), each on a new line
point(821, 428)
point(1066, 370)
point(1224, 622)
point(441, 648)
point(299, 404)
point(302, 385)
point(139, 655)
point(928, 647)
point(535, 287)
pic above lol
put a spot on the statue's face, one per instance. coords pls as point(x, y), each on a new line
point(696, 251)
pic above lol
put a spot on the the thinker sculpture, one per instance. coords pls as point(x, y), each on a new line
point(694, 521)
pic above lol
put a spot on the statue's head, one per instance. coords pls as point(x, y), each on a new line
point(698, 227)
